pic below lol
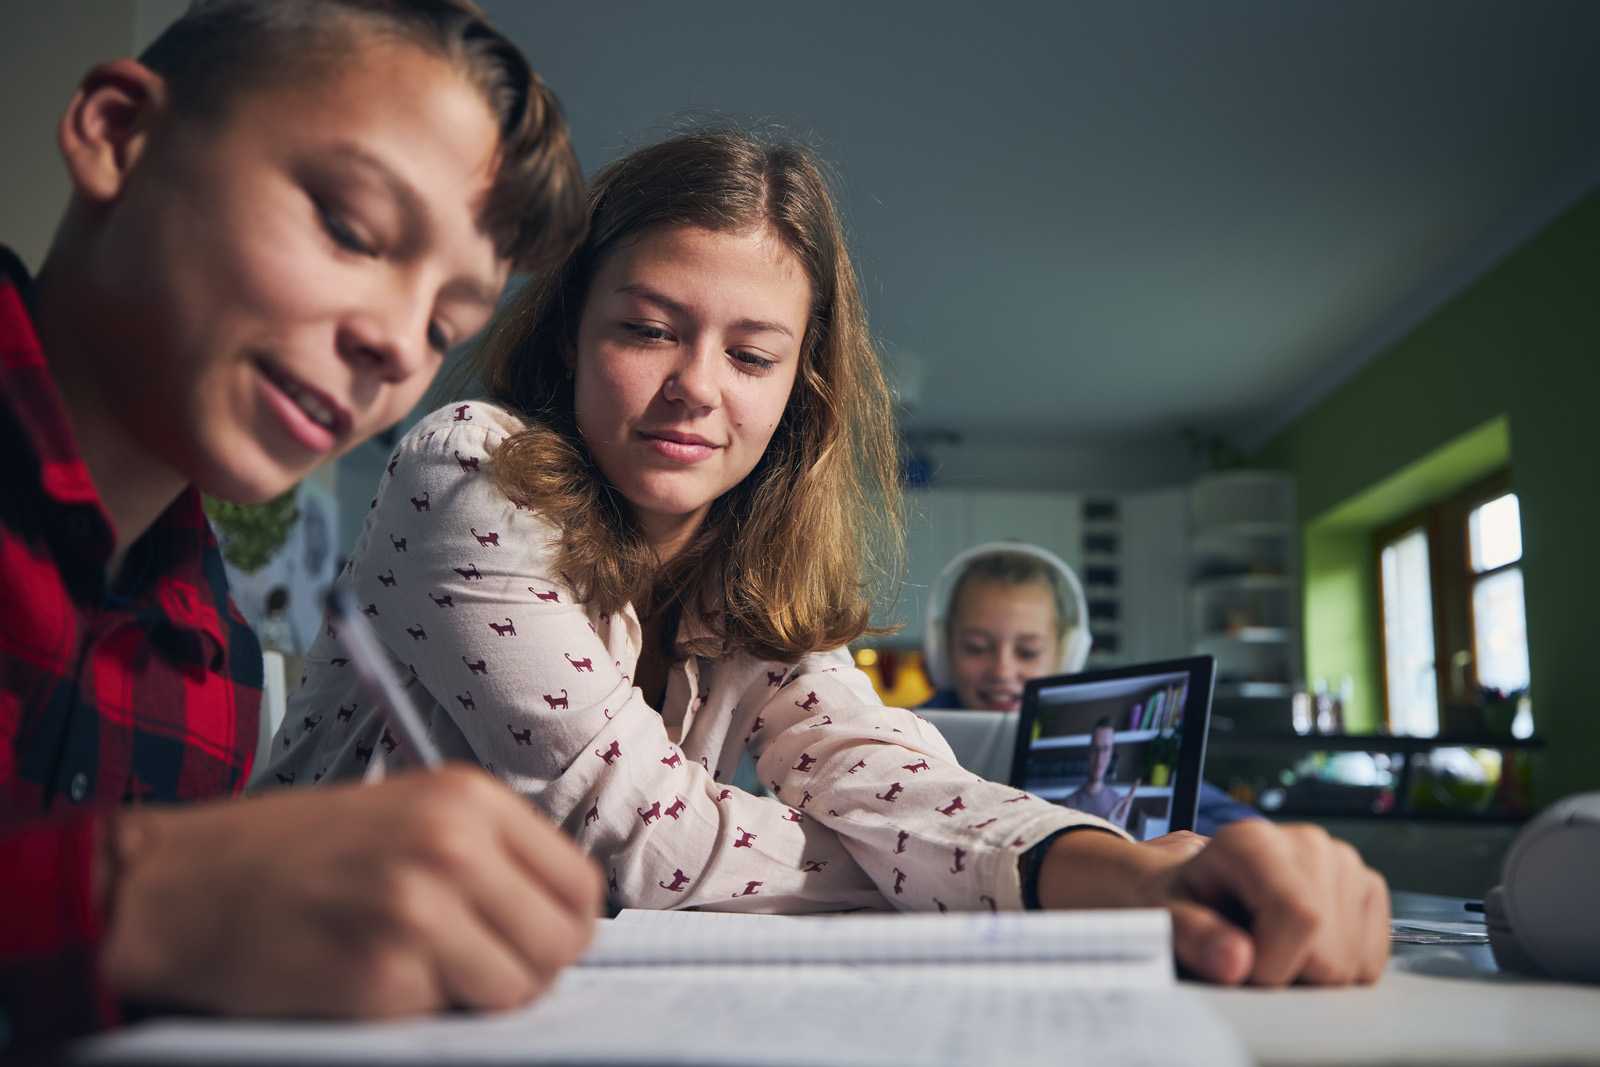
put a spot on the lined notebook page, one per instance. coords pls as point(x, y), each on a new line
point(825, 1016)
point(645, 938)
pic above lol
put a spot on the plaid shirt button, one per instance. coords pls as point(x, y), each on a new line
point(79, 787)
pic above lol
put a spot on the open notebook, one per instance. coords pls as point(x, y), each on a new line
point(697, 988)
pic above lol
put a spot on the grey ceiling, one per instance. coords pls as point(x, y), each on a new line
point(1097, 222)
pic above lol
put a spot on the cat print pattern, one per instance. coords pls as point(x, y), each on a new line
point(515, 671)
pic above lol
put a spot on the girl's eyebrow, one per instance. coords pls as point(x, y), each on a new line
point(644, 292)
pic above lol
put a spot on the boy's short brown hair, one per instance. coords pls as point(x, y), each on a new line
point(534, 212)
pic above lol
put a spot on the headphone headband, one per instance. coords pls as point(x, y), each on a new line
point(1075, 644)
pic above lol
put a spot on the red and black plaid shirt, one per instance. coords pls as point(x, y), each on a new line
point(142, 690)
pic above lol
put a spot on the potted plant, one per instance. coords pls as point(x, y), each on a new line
point(1161, 756)
point(1499, 708)
point(251, 534)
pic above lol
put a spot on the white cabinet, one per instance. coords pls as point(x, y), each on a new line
point(943, 522)
point(1155, 575)
point(1244, 596)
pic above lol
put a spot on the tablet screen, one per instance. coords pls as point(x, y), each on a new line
point(1124, 744)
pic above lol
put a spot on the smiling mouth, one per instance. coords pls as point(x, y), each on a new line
point(318, 408)
point(674, 438)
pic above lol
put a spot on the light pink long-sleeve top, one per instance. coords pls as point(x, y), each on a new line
point(870, 808)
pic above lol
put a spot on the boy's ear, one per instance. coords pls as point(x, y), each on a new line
point(107, 126)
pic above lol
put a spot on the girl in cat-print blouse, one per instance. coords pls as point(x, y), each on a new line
point(643, 557)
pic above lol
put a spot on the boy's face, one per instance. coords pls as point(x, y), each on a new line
point(273, 286)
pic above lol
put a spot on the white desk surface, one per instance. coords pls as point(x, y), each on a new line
point(1438, 1004)
point(1443, 1005)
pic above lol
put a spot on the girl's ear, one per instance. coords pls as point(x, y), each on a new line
point(107, 126)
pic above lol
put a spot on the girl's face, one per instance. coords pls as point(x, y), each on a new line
point(686, 355)
point(1001, 635)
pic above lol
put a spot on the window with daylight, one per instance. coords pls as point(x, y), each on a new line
point(1408, 647)
point(1455, 636)
point(1499, 625)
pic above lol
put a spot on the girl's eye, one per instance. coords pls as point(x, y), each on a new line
point(344, 235)
point(753, 362)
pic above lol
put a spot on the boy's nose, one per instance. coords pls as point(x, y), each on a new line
point(394, 344)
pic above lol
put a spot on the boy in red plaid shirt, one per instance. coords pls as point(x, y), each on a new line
point(283, 214)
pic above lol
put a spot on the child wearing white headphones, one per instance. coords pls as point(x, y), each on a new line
point(1000, 614)
point(1004, 612)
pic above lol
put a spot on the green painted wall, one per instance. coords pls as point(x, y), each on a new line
point(1523, 343)
point(1342, 612)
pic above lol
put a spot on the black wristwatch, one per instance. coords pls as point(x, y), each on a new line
point(1029, 865)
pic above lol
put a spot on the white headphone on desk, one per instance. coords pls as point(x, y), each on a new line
point(1074, 650)
point(1542, 917)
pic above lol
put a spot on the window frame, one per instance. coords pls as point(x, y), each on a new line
point(1451, 582)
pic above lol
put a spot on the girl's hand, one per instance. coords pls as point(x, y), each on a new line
point(1259, 903)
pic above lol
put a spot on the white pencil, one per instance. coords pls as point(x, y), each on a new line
point(374, 668)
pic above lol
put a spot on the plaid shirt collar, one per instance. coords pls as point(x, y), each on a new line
point(166, 569)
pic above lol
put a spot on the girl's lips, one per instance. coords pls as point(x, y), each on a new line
point(680, 448)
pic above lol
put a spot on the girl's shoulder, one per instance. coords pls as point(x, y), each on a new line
point(443, 464)
point(475, 425)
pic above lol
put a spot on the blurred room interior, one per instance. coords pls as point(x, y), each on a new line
point(1279, 323)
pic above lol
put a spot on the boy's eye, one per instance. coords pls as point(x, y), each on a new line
point(344, 235)
point(438, 339)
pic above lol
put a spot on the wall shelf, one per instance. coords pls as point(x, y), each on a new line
point(1046, 792)
point(1244, 590)
point(1371, 742)
point(1304, 814)
point(1254, 691)
point(1121, 737)
point(1240, 583)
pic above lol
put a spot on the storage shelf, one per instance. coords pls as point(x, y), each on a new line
point(1239, 583)
point(1249, 635)
point(1244, 567)
point(1254, 691)
point(1121, 737)
point(1300, 814)
point(1232, 531)
point(1064, 791)
point(1370, 742)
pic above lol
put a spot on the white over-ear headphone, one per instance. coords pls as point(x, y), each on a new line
point(1074, 650)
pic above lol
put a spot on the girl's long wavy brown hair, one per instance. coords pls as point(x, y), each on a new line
point(788, 560)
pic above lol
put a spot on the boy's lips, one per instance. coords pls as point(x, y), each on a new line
point(319, 410)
